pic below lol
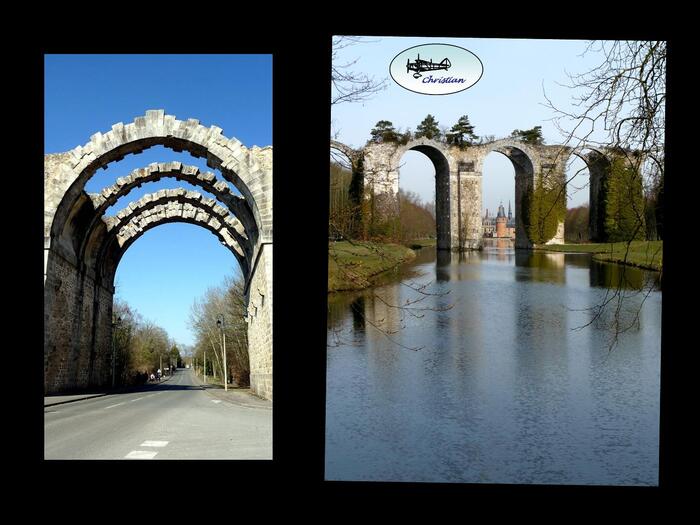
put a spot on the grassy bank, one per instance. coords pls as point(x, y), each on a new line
point(352, 266)
point(417, 244)
point(642, 254)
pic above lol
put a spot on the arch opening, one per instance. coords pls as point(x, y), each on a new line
point(596, 165)
point(578, 200)
point(156, 128)
point(83, 246)
point(424, 194)
point(498, 199)
point(522, 174)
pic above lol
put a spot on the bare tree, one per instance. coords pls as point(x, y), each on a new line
point(350, 85)
point(227, 300)
point(619, 106)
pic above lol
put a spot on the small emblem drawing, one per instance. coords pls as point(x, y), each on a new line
point(436, 69)
point(420, 66)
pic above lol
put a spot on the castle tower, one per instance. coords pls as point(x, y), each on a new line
point(510, 214)
point(501, 221)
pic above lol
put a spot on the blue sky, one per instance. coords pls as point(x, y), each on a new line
point(508, 96)
point(169, 266)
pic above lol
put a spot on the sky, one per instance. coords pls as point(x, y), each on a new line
point(509, 96)
point(168, 267)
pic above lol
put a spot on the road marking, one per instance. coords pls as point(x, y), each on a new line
point(216, 401)
point(154, 443)
point(143, 397)
point(141, 454)
point(112, 406)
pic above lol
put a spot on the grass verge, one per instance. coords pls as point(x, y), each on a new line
point(417, 244)
point(642, 254)
point(351, 266)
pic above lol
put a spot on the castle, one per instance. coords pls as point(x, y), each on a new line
point(501, 226)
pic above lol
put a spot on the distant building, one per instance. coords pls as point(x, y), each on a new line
point(501, 226)
point(489, 224)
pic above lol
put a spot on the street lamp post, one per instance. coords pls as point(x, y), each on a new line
point(114, 350)
point(220, 324)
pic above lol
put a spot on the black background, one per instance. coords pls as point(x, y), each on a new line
point(301, 114)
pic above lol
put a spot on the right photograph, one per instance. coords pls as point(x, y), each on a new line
point(495, 264)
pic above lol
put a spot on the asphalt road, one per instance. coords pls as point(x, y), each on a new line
point(174, 420)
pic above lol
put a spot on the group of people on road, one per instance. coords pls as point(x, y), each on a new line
point(154, 376)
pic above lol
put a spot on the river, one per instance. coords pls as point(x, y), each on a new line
point(496, 372)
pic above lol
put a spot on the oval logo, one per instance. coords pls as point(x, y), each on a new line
point(436, 69)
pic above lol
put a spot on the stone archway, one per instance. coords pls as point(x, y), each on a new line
point(526, 161)
point(598, 164)
point(459, 182)
point(82, 248)
point(446, 221)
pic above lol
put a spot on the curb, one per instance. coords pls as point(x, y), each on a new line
point(92, 396)
point(230, 401)
point(74, 400)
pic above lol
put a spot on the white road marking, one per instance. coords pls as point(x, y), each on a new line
point(140, 454)
point(216, 401)
point(154, 443)
point(142, 397)
point(112, 406)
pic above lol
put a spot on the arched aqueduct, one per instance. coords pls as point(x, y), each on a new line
point(458, 174)
point(83, 247)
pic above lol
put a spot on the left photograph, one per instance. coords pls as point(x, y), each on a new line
point(158, 256)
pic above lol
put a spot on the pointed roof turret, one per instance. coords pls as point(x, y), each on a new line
point(501, 211)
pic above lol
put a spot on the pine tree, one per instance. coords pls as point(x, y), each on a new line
point(461, 133)
point(529, 136)
point(383, 131)
point(428, 129)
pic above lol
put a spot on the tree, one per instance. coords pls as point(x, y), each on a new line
point(529, 136)
point(576, 224)
point(428, 129)
point(543, 208)
point(349, 85)
point(462, 133)
point(417, 221)
point(383, 131)
point(624, 204)
point(619, 106)
point(404, 137)
point(228, 300)
point(124, 334)
point(175, 357)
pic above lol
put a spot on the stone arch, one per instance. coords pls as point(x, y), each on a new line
point(190, 203)
point(445, 166)
point(524, 158)
point(598, 164)
point(78, 287)
point(352, 154)
point(244, 168)
point(352, 217)
point(526, 163)
point(122, 233)
point(190, 174)
point(154, 172)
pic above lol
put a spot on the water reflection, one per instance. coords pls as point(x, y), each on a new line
point(357, 307)
point(511, 385)
point(608, 275)
point(442, 265)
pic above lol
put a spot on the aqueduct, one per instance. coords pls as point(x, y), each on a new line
point(83, 247)
point(458, 178)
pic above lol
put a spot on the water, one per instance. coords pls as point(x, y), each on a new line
point(499, 376)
